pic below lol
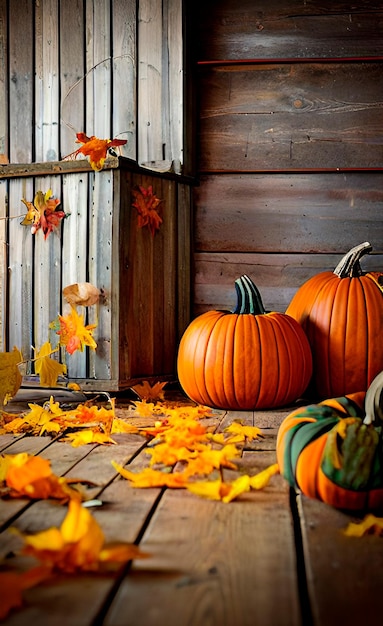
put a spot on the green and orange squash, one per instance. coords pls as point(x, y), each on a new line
point(333, 450)
point(246, 358)
point(341, 313)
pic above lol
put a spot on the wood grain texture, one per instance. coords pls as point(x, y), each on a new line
point(124, 73)
point(21, 85)
point(277, 276)
point(150, 78)
point(20, 270)
point(72, 71)
point(3, 78)
point(353, 560)
point(326, 213)
point(98, 69)
point(198, 575)
point(228, 29)
point(46, 95)
point(3, 264)
point(276, 117)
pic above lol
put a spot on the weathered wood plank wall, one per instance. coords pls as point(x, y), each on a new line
point(109, 68)
point(290, 143)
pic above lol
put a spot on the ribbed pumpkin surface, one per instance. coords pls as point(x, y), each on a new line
point(244, 361)
point(341, 313)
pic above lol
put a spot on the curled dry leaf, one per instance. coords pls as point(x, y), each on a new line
point(83, 294)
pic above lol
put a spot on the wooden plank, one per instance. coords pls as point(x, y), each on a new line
point(227, 29)
point(21, 73)
point(46, 127)
point(4, 94)
point(64, 599)
point(74, 251)
point(47, 273)
point(326, 213)
point(150, 72)
point(101, 247)
point(184, 254)
point(353, 565)
point(20, 273)
point(213, 563)
point(277, 276)
point(164, 281)
point(135, 296)
point(3, 263)
point(173, 79)
point(98, 69)
point(7, 440)
point(124, 75)
point(290, 116)
point(72, 70)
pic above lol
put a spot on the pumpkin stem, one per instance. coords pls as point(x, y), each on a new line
point(349, 265)
point(249, 299)
point(373, 403)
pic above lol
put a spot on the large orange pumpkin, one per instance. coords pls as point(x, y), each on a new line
point(333, 451)
point(341, 313)
point(245, 359)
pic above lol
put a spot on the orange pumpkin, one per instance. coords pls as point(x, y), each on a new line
point(341, 313)
point(245, 359)
point(333, 450)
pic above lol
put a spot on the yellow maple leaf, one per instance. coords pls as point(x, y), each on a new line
point(370, 525)
point(79, 544)
point(247, 432)
point(48, 369)
point(219, 490)
point(85, 437)
point(10, 377)
point(260, 480)
point(120, 426)
point(152, 478)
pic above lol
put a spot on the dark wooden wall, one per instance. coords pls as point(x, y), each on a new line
point(290, 142)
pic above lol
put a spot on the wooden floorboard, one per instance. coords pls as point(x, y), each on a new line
point(258, 561)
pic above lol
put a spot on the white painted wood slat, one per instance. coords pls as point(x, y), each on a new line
point(100, 269)
point(150, 81)
point(74, 253)
point(3, 263)
point(124, 74)
point(20, 273)
point(47, 81)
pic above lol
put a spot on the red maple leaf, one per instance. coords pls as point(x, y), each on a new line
point(147, 203)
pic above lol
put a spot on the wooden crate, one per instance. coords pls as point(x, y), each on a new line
point(144, 279)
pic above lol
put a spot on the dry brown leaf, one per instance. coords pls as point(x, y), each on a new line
point(82, 294)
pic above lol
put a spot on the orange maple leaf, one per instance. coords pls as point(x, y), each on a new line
point(146, 391)
point(147, 203)
point(32, 476)
point(73, 334)
point(78, 545)
point(96, 149)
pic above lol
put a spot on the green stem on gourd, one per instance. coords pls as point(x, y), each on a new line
point(249, 299)
point(373, 402)
point(349, 265)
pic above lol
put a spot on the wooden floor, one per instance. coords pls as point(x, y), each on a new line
point(270, 558)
